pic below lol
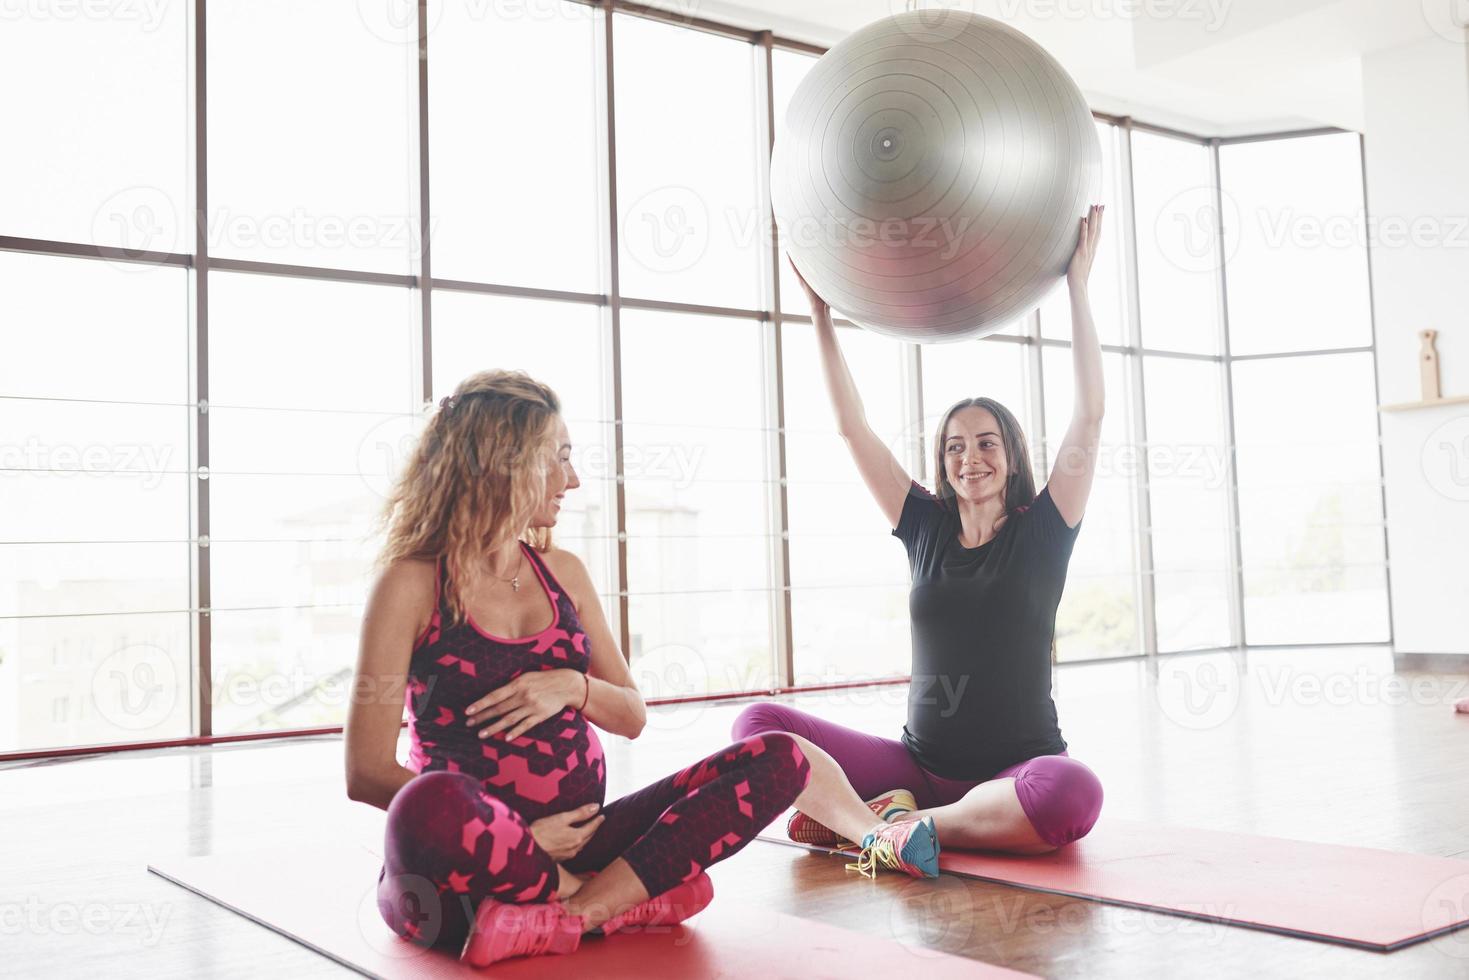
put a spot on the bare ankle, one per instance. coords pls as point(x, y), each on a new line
point(569, 884)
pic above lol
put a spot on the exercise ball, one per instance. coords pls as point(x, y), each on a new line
point(930, 174)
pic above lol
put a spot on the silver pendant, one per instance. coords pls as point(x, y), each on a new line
point(515, 584)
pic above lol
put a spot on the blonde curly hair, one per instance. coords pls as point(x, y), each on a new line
point(476, 477)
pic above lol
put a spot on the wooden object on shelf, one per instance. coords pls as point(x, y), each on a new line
point(1428, 375)
point(1428, 365)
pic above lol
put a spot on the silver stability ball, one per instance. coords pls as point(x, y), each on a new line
point(930, 174)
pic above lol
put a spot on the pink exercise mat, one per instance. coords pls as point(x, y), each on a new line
point(1355, 896)
point(323, 897)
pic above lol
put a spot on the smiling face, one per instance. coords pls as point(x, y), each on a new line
point(974, 455)
point(560, 477)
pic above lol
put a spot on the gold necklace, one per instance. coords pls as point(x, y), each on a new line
point(514, 580)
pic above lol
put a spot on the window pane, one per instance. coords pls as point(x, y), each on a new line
point(79, 328)
point(699, 539)
point(310, 136)
point(1294, 245)
point(562, 345)
point(91, 680)
point(515, 193)
point(310, 380)
point(1310, 500)
point(1108, 269)
point(1177, 244)
point(94, 504)
point(1189, 499)
point(843, 558)
point(97, 146)
point(297, 672)
point(690, 226)
point(1098, 612)
point(788, 68)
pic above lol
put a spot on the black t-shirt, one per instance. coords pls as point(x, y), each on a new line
point(983, 622)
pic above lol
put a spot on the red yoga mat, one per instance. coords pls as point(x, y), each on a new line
point(324, 897)
point(1355, 896)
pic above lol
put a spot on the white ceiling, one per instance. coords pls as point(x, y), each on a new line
point(1212, 67)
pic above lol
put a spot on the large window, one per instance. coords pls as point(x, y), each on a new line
point(1295, 244)
point(1098, 616)
point(94, 503)
point(306, 377)
point(310, 136)
point(1187, 466)
point(698, 491)
point(194, 453)
point(515, 179)
point(849, 594)
point(689, 218)
point(1310, 493)
point(1310, 480)
point(1177, 244)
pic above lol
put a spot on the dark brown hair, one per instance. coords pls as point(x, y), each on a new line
point(1019, 490)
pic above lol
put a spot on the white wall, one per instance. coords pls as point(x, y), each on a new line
point(1416, 101)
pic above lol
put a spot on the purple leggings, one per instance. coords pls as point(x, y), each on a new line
point(1060, 796)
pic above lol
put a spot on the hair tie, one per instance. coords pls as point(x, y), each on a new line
point(446, 403)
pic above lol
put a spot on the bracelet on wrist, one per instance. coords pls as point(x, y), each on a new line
point(588, 695)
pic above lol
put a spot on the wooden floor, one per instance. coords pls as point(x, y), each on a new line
point(1323, 745)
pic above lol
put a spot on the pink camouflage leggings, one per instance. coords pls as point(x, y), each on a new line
point(450, 843)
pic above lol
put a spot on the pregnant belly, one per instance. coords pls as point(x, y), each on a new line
point(537, 777)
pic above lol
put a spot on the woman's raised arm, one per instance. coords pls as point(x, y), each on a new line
point(1076, 461)
point(884, 475)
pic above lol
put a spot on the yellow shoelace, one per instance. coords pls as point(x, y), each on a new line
point(880, 853)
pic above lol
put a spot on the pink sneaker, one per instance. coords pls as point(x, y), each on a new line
point(682, 901)
point(502, 930)
point(803, 830)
